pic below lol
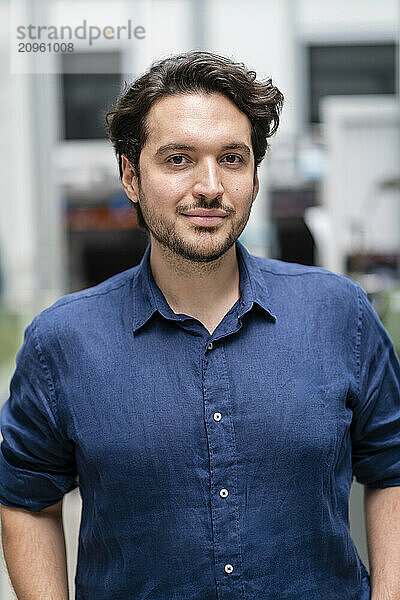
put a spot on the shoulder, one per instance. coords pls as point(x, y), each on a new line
point(308, 284)
point(291, 271)
point(87, 307)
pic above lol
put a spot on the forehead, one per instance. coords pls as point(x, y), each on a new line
point(196, 118)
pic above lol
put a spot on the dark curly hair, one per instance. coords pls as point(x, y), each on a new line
point(192, 72)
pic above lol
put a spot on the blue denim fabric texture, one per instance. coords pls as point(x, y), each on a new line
point(210, 466)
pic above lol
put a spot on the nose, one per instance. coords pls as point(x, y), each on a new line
point(208, 182)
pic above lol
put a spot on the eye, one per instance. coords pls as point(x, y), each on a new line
point(177, 159)
point(230, 159)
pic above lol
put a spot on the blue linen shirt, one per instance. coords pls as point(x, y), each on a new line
point(210, 466)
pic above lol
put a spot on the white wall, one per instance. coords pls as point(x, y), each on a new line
point(348, 19)
point(363, 151)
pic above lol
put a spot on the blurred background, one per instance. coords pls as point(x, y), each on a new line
point(330, 184)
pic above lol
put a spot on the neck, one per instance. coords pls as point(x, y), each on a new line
point(203, 290)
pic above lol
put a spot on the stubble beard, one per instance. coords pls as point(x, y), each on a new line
point(200, 251)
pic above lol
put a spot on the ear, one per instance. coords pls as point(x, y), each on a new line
point(256, 186)
point(129, 179)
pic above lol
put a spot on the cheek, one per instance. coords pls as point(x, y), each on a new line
point(238, 182)
point(240, 193)
point(165, 189)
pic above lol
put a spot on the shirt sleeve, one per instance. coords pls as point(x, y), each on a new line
point(37, 465)
point(376, 421)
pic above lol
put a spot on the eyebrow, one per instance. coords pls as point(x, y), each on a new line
point(231, 146)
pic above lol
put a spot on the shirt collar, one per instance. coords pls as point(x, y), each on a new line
point(149, 299)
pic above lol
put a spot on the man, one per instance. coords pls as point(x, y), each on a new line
point(211, 405)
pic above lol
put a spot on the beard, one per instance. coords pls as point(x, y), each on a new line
point(208, 245)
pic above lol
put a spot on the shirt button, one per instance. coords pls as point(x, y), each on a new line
point(228, 568)
point(210, 346)
point(217, 416)
point(223, 493)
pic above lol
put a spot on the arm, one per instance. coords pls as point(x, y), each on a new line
point(34, 551)
point(382, 518)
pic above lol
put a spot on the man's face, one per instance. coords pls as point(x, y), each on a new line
point(197, 180)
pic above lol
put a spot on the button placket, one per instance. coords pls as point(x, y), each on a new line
point(223, 467)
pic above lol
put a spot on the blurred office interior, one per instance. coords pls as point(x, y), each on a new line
point(330, 184)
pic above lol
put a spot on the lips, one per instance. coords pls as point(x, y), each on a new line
point(206, 217)
point(205, 221)
point(205, 212)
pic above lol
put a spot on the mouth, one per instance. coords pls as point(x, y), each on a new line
point(205, 217)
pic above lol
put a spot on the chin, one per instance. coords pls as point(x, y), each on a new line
point(204, 251)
